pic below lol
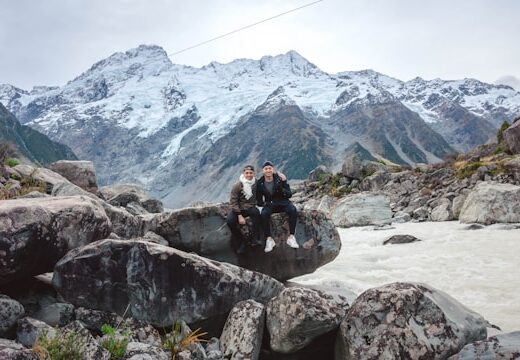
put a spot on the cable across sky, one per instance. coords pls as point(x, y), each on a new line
point(244, 27)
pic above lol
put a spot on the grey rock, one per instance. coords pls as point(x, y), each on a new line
point(442, 212)
point(407, 321)
point(123, 194)
point(11, 350)
point(142, 332)
point(512, 138)
point(94, 319)
point(153, 237)
point(44, 230)
point(457, 204)
point(156, 283)
point(319, 174)
point(203, 230)
point(400, 239)
point(491, 203)
point(502, 346)
point(135, 208)
point(362, 209)
point(33, 195)
point(92, 349)
point(80, 173)
point(48, 177)
point(421, 213)
point(69, 189)
point(375, 182)
point(10, 311)
point(401, 217)
point(124, 224)
point(297, 316)
point(474, 227)
point(243, 331)
point(57, 314)
point(29, 330)
point(140, 351)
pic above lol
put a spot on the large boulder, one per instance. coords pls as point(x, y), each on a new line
point(362, 209)
point(124, 194)
point(356, 168)
point(503, 346)
point(10, 311)
point(11, 350)
point(203, 230)
point(407, 321)
point(36, 233)
point(490, 203)
point(156, 283)
point(80, 173)
point(299, 315)
point(512, 138)
point(243, 331)
point(41, 175)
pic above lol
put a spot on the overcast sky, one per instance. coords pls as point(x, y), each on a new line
point(48, 42)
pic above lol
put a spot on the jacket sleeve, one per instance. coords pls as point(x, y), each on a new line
point(259, 196)
point(234, 199)
point(286, 189)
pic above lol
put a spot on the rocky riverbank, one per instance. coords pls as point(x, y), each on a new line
point(129, 277)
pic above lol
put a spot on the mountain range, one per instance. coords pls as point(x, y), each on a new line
point(184, 133)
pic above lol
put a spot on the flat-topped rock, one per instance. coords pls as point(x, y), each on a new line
point(80, 173)
point(203, 230)
point(36, 233)
point(158, 284)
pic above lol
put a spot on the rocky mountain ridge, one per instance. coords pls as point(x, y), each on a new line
point(142, 118)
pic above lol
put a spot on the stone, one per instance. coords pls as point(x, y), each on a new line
point(57, 314)
point(94, 319)
point(442, 212)
point(80, 173)
point(362, 209)
point(407, 321)
point(10, 311)
point(502, 346)
point(421, 213)
point(298, 315)
point(69, 189)
point(512, 138)
point(153, 237)
point(46, 176)
point(11, 350)
point(490, 203)
point(155, 283)
point(401, 217)
point(457, 204)
point(320, 173)
point(124, 224)
point(140, 351)
point(400, 239)
point(243, 331)
point(44, 230)
point(123, 194)
point(203, 230)
point(29, 330)
point(92, 349)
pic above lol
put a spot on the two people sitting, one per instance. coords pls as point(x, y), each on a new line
point(272, 193)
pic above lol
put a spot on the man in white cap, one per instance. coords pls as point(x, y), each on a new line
point(273, 194)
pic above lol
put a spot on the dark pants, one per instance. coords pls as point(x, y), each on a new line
point(288, 208)
point(234, 226)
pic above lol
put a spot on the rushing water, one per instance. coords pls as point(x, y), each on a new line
point(480, 268)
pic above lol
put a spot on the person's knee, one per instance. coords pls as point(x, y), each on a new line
point(291, 210)
point(231, 220)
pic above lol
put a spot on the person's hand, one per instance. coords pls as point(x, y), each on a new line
point(282, 176)
point(241, 220)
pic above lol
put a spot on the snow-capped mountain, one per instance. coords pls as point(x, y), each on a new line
point(184, 132)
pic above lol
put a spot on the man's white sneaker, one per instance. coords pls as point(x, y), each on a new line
point(269, 245)
point(291, 241)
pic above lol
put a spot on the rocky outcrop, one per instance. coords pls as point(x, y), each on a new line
point(297, 316)
point(10, 311)
point(243, 331)
point(502, 346)
point(491, 203)
point(10, 350)
point(80, 173)
point(362, 209)
point(407, 321)
point(156, 283)
point(512, 138)
point(36, 233)
point(203, 230)
point(125, 194)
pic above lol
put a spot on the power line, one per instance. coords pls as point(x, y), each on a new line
point(243, 28)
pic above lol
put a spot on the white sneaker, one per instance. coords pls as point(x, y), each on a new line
point(269, 244)
point(291, 241)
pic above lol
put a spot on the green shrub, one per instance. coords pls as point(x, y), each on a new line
point(11, 162)
point(115, 344)
point(64, 345)
point(468, 169)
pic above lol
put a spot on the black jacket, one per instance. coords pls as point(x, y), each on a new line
point(280, 196)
